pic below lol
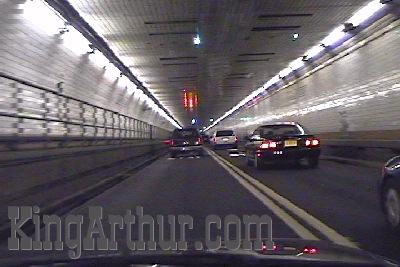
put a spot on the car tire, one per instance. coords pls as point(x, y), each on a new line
point(391, 204)
point(258, 163)
point(313, 162)
point(249, 162)
point(201, 153)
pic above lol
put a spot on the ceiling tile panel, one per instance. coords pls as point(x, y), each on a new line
point(244, 43)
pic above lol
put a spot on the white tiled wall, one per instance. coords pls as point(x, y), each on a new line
point(31, 54)
point(361, 89)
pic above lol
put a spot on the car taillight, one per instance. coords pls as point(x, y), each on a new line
point(215, 139)
point(312, 142)
point(236, 139)
point(269, 145)
point(171, 142)
point(310, 250)
point(199, 140)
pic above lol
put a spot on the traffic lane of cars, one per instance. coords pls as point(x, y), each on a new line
point(345, 197)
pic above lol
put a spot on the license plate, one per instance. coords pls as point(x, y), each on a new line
point(225, 139)
point(289, 143)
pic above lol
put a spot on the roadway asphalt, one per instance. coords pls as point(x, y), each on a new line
point(342, 197)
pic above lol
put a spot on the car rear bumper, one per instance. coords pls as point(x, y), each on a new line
point(183, 149)
point(287, 155)
point(226, 144)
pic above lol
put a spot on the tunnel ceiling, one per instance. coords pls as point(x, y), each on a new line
point(243, 44)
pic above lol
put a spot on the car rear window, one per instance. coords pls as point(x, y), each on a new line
point(185, 133)
point(271, 130)
point(225, 133)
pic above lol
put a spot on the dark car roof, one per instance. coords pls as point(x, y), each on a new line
point(280, 123)
point(186, 129)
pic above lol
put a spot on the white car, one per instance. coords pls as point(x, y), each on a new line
point(225, 139)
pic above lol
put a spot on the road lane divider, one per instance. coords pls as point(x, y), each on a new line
point(282, 206)
point(278, 211)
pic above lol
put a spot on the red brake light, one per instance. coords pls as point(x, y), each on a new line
point(312, 142)
point(236, 139)
point(215, 139)
point(269, 144)
point(199, 140)
point(310, 250)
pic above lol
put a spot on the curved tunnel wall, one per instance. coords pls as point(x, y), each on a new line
point(357, 96)
point(30, 54)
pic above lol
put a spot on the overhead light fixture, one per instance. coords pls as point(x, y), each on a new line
point(366, 12)
point(314, 51)
point(297, 64)
point(285, 72)
point(337, 34)
point(92, 49)
point(64, 29)
point(112, 72)
point(196, 39)
point(124, 81)
point(139, 93)
point(44, 17)
point(75, 41)
point(99, 59)
point(348, 27)
point(305, 58)
point(130, 88)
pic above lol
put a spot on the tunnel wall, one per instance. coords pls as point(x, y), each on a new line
point(356, 96)
point(32, 54)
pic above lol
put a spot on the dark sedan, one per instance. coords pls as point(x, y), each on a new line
point(282, 142)
point(389, 191)
point(186, 141)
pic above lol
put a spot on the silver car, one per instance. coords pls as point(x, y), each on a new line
point(225, 139)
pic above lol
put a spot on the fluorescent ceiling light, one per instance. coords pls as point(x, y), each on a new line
point(334, 36)
point(138, 93)
point(297, 64)
point(314, 51)
point(99, 59)
point(124, 81)
point(75, 41)
point(285, 72)
point(126, 60)
point(365, 13)
point(112, 72)
point(131, 88)
point(42, 16)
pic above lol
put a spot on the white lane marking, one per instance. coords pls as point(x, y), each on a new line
point(330, 233)
point(299, 229)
